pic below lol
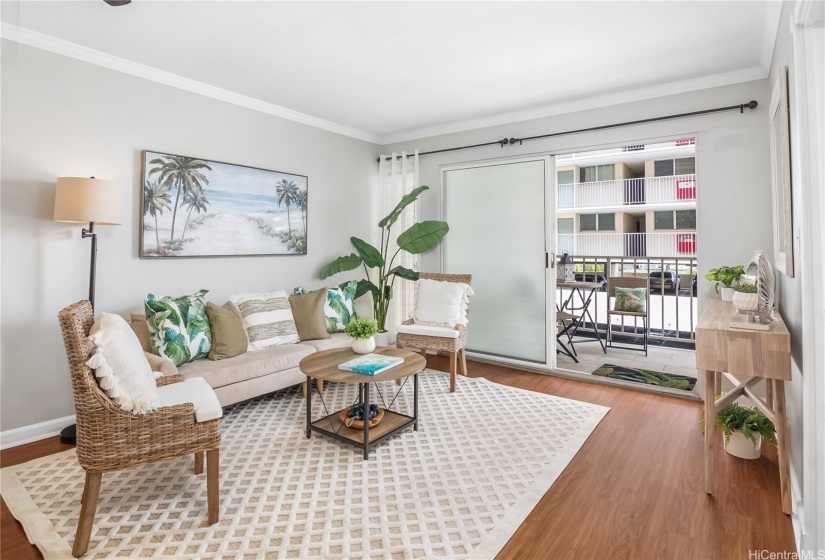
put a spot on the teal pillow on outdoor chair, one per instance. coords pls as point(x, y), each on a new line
point(631, 300)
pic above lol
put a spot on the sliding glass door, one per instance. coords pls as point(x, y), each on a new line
point(499, 215)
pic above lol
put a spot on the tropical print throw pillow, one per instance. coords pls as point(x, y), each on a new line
point(632, 300)
point(339, 308)
point(179, 327)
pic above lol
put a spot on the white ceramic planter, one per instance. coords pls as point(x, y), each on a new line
point(742, 447)
point(727, 293)
point(745, 302)
point(382, 339)
point(363, 345)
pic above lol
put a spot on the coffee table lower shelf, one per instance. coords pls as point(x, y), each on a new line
point(392, 423)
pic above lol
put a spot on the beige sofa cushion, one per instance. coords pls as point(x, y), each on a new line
point(247, 366)
point(141, 328)
point(335, 340)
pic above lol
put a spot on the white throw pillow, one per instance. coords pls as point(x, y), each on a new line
point(267, 319)
point(442, 304)
point(120, 366)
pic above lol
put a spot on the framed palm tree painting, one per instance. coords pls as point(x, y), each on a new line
point(196, 207)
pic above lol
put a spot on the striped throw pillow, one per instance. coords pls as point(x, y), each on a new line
point(267, 319)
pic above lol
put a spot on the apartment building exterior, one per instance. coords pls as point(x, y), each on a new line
point(631, 201)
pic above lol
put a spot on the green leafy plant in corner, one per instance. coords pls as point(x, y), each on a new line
point(728, 276)
point(361, 328)
point(420, 238)
point(750, 421)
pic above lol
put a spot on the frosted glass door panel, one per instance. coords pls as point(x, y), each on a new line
point(497, 234)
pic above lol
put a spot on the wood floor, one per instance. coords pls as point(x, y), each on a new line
point(634, 491)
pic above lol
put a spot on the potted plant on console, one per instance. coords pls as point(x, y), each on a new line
point(363, 333)
point(419, 238)
point(728, 277)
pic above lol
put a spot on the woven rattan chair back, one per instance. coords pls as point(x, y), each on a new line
point(110, 439)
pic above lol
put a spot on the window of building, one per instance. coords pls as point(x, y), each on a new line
point(686, 219)
point(670, 167)
point(565, 177)
point(679, 219)
point(596, 173)
point(663, 220)
point(597, 222)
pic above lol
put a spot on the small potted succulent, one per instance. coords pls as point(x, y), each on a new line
point(745, 299)
point(363, 333)
point(728, 277)
point(743, 429)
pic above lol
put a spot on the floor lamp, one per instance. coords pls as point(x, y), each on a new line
point(79, 200)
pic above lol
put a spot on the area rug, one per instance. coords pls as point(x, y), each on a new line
point(459, 487)
point(646, 376)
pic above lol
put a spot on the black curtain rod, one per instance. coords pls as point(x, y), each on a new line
point(505, 141)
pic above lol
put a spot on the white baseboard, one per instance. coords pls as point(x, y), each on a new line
point(798, 509)
point(34, 432)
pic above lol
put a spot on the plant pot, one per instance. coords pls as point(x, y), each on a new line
point(745, 302)
point(382, 339)
point(363, 345)
point(727, 293)
point(742, 447)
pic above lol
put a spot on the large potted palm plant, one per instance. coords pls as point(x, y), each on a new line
point(419, 238)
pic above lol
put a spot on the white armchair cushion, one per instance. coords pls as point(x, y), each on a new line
point(194, 390)
point(441, 304)
point(427, 330)
point(120, 365)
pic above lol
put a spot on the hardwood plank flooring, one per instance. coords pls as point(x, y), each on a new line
point(634, 491)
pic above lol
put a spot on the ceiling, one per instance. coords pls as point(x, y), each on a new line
point(392, 71)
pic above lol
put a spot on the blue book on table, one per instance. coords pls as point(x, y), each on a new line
point(371, 364)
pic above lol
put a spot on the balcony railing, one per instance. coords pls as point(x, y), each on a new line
point(672, 314)
point(672, 244)
point(624, 149)
point(627, 192)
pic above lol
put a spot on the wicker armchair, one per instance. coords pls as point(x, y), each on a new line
point(453, 346)
point(109, 439)
point(627, 282)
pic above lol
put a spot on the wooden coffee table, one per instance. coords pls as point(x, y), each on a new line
point(323, 366)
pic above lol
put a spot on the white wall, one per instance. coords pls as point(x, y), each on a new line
point(63, 117)
point(732, 149)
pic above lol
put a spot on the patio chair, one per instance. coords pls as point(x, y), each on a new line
point(110, 439)
point(567, 322)
point(627, 282)
point(451, 341)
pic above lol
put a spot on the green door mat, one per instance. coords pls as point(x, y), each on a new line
point(646, 376)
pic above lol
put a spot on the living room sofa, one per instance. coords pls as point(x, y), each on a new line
point(247, 375)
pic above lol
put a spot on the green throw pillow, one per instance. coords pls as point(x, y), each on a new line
point(339, 308)
point(179, 327)
point(631, 299)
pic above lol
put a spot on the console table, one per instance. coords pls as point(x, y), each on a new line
point(754, 356)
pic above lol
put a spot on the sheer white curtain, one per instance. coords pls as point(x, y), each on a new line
point(397, 176)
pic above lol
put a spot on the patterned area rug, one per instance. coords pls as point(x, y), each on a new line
point(647, 376)
point(459, 487)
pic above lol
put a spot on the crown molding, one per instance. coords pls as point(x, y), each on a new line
point(79, 52)
point(596, 102)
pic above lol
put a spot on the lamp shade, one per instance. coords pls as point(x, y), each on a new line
point(80, 200)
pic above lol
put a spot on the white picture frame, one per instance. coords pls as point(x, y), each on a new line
point(781, 176)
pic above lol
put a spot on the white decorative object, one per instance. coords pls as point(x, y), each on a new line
point(745, 302)
point(761, 268)
point(742, 447)
point(120, 366)
point(363, 345)
point(441, 304)
point(397, 176)
point(726, 293)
